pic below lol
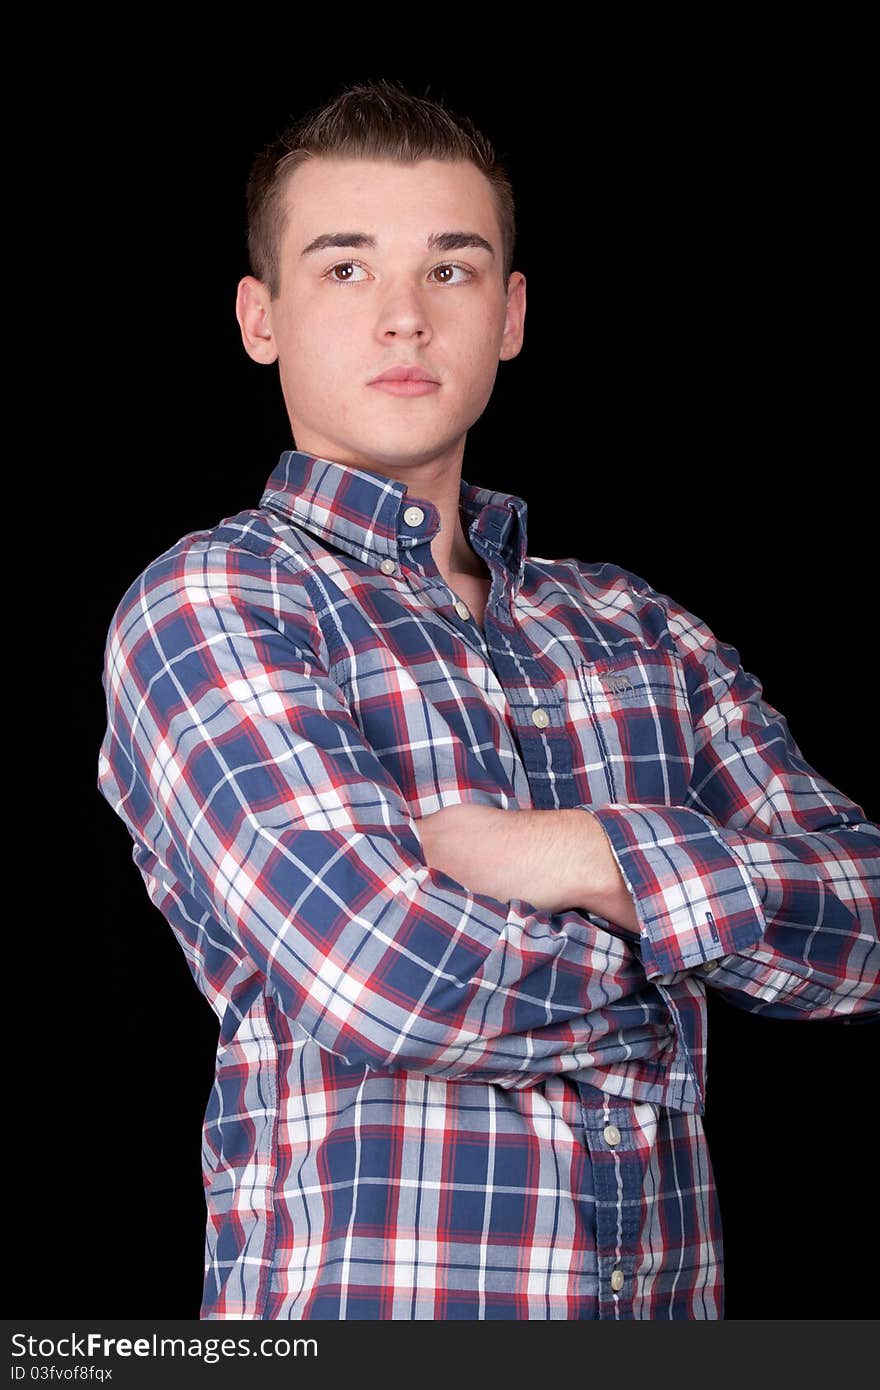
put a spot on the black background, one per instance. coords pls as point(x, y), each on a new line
point(690, 402)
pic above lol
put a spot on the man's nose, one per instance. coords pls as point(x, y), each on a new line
point(405, 311)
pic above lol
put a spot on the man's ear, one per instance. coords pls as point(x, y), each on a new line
point(255, 320)
point(514, 323)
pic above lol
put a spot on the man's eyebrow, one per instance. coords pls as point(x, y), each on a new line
point(438, 241)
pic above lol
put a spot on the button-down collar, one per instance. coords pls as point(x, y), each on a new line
point(364, 513)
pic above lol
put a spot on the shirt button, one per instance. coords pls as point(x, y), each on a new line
point(611, 1134)
point(541, 718)
point(462, 609)
point(388, 567)
point(414, 516)
point(709, 966)
point(617, 1279)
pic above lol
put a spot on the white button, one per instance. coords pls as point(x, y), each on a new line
point(617, 1279)
point(611, 1134)
point(388, 567)
point(461, 609)
point(710, 965)
point(541, 718)
point(414, 516)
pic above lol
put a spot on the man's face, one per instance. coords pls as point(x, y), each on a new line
point(346, 313)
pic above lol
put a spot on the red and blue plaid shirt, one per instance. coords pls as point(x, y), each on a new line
point(429, 1103)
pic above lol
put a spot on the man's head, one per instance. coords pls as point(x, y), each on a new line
point(407, 178)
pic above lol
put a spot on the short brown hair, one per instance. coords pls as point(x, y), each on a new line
point(371, 120)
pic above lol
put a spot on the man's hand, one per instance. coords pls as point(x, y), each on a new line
point(551, 859)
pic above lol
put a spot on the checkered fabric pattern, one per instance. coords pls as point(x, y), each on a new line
point(430, 1104)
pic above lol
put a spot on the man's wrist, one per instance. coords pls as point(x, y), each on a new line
point(599, 886)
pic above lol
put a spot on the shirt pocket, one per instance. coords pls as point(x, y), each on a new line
point(633, 730)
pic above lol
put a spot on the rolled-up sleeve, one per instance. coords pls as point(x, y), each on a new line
point(768, 878)
point(234, 758)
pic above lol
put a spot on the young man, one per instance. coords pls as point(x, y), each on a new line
point(454, 838)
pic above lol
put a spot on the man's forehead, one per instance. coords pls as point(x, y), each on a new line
point(327, 198)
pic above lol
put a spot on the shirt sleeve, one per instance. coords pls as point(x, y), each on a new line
point(769, 877)
point(233, 756)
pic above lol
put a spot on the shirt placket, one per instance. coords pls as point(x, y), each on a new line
point(414, 555)
point(530, 687)
point(618, 1183)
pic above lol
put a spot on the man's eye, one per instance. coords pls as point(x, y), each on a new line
point(447, 281)
point(343, 265)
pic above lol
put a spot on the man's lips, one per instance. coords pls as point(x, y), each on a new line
point(404, 371)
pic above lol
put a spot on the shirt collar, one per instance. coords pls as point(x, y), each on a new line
point(365, 513)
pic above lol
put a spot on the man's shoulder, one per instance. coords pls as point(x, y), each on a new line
point(609, 590)
point(247, 555)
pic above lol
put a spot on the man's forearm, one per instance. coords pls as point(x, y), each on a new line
point(552, 859)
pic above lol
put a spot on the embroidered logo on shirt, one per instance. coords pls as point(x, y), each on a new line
point(617, 684)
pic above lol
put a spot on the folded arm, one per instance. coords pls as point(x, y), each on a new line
point(234, 758)
point(553, 859)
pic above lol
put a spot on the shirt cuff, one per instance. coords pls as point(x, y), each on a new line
point(693, 897)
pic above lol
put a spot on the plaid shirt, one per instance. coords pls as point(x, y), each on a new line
point(429, 1103)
